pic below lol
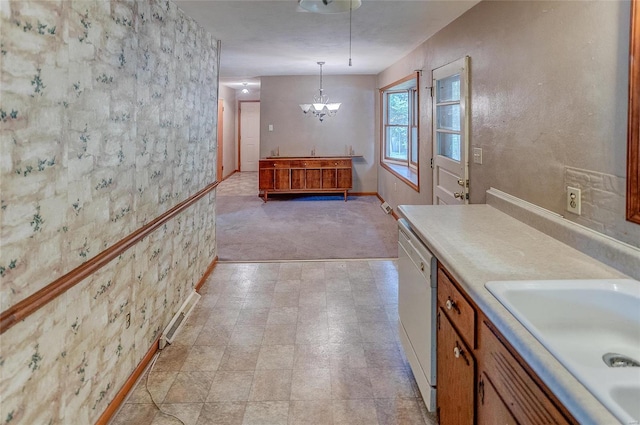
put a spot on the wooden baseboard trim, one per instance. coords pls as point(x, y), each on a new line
point(35, 301)
point(363, 194)
point(206, 274)
point(115, 404)
point(234, 171)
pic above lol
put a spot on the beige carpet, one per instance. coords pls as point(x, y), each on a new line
point(303, 228)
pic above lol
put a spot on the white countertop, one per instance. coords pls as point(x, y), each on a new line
point(479, 243)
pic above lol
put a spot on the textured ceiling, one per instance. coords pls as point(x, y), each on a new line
point(274, 37)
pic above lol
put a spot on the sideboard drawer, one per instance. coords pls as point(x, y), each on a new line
point(336, 163)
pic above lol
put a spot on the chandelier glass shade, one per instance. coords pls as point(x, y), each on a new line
point(320, 107)
point(329, 6)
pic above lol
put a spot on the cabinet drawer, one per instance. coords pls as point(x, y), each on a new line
point(274, 164)
point(524, 398)
point(336, 163)
point(312, 163)
point(457, 308)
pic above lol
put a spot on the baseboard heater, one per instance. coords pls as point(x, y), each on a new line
point(386, 207)
point(180, 317)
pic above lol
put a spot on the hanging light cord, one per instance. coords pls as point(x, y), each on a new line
point(321, 63)
point(350, 11)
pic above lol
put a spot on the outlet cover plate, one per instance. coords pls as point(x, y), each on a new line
point(477, 155)
point(574, 200)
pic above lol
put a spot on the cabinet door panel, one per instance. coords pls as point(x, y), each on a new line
point(455, 376)
point(266, 179)
point(344, 178)
point(297, 179)
point(282, 179)
point(329, 178)
point(491, 409)
point(313, 179)
point(525, 399)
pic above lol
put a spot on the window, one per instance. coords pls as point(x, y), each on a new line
point(399, 134)
point(448, 117)
point(451, 133)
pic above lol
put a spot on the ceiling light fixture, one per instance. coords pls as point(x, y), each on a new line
point(245, 90)
point(329, 6)
point(320, 107)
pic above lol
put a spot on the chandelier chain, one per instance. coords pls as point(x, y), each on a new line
point(350, 12)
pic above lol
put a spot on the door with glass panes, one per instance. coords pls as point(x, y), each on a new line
point(450, 133)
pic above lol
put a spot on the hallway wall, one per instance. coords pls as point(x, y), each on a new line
point(108, 121)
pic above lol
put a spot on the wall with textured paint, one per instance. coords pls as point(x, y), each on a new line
point(108, 119)
point(548, 105)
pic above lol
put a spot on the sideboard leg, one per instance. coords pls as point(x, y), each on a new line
point(345, 196)
point(266, 196)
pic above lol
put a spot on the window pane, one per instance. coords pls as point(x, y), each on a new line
point(449, 117)
point(448, 89)
point(398, 108)
point(397, 147)
point(449, 145)
point(414, 145)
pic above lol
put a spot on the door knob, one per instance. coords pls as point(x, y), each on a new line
point(458, 195)
point(457, 351)
point(461, 182)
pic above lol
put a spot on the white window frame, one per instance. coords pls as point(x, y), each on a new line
point(406, 170)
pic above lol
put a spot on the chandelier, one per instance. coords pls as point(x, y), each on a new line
point(320, 108)
point(329, 6)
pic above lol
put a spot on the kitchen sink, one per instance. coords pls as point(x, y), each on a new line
point(592, 327)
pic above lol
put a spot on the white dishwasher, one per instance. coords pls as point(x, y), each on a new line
point(417, 310)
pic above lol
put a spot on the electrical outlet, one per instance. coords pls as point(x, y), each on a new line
point(574, 200)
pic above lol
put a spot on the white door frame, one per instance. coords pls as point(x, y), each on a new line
point(240, 102)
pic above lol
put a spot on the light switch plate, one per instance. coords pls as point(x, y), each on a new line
point(574, 200)
point(477, 155)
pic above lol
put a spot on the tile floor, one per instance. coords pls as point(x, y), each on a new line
point(286, 343)
point(239, 184)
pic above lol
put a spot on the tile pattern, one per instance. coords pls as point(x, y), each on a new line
point(603, 203)
point(239, 184)
point(107, 120)
point(287, 343)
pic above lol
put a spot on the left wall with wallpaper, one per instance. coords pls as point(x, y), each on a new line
point(107, 120)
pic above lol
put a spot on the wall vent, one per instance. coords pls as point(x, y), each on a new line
point(386, 207)
point(180, 317)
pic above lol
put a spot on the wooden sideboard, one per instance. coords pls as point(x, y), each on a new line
point(305, 175)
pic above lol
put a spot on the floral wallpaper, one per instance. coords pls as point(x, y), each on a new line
point(107, 119)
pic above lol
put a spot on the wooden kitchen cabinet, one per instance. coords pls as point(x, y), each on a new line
point(455, 375)
point(480, 378)
point(455, 361)
point(517, 390)
point(491, 408)
point(305, 175)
